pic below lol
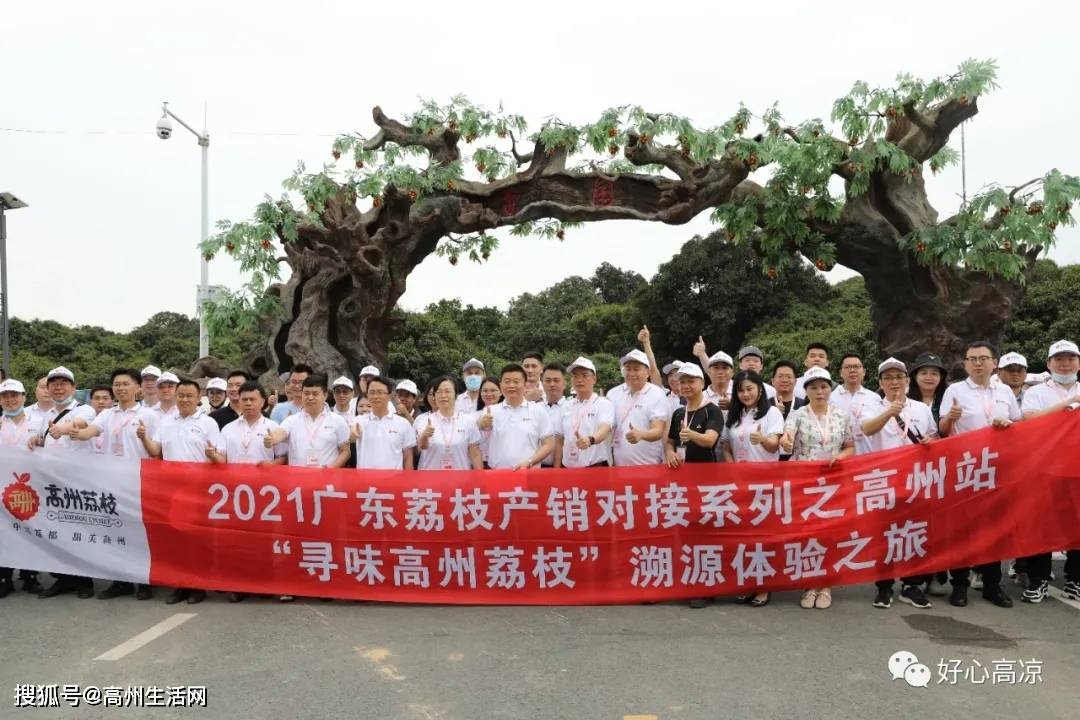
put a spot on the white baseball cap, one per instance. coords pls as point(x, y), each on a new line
point(1063, 346)
point(472, 363)
point(217, 384)
point(1012, 358)
point(370, 370)
point(60, 372)
point(891, 364)
point(582, 362)
point(721, 357)
point(151, 371)
point(12, 385)
point(342, 381)
point(168, 377)
point(408, 386)
point(673, 365)
point(635, 356)
point(691, 370)
point(816, 373)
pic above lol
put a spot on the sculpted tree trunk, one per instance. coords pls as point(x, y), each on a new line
point(349, 266)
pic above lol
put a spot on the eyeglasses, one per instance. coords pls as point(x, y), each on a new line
point(979, 359)
point(852, 367)
point(893, 378)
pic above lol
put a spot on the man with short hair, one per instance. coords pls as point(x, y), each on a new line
point(553, 380)
point(1012, 372)
point(61, 384)
point(671, 377)
point(472, 372)
point(384, 439)
point(751, 358)
point(192, 437)
point(216, 394)
point(970, 405)
point(521, 434)
point(584, 421)
point(230, 412)
point(148, 378)
point(294, 391)
point(406, 394)
point(533, 363)
point(166, 398)
point(116, 428)
point(641, 414)
point(817, 355)
point(854, 399)
point(42, 411)
point(892, 422)
point(1060, 392)
point(783, 378)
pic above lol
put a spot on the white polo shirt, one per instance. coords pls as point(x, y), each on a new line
point(466, 404)
point(915, 415)
point(448, 448)
point(980, 405)
point(640, 410)
point(859, 406)
point(348, 413)
point(163, 415)
point(554, 412)
point(1041, 396)
point(77, 412)
point(738, 437)
point(17, 434)
point(242, 442)
point(383, 440)
point(314, 442)
point(39, 416)
point(583, 418)
point(184, 439)
point(517, 432)
point(118, 431)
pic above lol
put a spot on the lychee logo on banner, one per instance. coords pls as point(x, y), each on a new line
point(20, 499)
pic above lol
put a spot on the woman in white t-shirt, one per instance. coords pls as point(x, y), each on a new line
point(752, 434)
point(490, 396)
point(448, 440)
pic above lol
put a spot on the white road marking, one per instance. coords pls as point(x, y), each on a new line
point(145, 637)
point(1058, 595)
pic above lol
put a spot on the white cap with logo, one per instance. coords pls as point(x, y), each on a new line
point(60, 372)
point(342, 382)
point(370, 371)
point(408, 386)
point(635, 356)
point(721, 357)
point(816, 373)
point(582, 362)
point(217, 384)
point(891, 364)
point(151, 371)
point(168, 377)
point(1063, 346)
point(12, 385)
point(1012, 358)
point(673, 365)
point(691, 370)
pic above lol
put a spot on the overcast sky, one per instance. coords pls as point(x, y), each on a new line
point(110, 235)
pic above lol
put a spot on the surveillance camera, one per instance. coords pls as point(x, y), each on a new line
point(164, 128)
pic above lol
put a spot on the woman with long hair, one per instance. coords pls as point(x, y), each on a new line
point(448, 439)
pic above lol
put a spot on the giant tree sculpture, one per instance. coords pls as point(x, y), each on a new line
point(858, 200)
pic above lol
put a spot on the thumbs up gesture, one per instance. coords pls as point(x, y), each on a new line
point(429, 430)
point(896, 408)
point(140, 431)
point(643, 335)
point(633, 436)
point(787, 442)
point(582, 442)
point(486, 421)
point(699, 346)
point(268, 441)
point(210, 451)
point(756, 437)
point(956, 412)
point(355, 431)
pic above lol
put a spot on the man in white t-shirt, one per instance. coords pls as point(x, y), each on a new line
point(166, 398)
point(472, 372)
point(533, 363)
point(242, 439)
point(641, 414)
point(553, 381)
point(751, 358)
point(892, 422)
point(148, 379)
point(116, 428)
point(316, 437)
point(344, 397)
point(385, 439)
point(1060, 392)
point(969, 405)
point(521, 434)
point(584, 422)
point(817, 355)
point(44, 410)
point(854, 399)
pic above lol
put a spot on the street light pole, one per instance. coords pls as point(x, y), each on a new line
point(164, 129)
point(7, 202)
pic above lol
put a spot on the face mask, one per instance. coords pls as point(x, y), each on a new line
point(1064, 379)
point(13, 413)
point(473, 382)
point(65, 401)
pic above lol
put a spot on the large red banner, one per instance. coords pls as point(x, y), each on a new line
point(615, 535)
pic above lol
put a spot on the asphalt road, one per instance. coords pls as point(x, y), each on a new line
point(261, 659)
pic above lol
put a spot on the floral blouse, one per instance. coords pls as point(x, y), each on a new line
point(818, 438)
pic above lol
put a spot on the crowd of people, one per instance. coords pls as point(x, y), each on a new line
point(719, 409)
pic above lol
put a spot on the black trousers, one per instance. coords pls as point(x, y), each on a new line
point(991, 573)
point(1038, 567)
point(6, 574)
point(912, 580)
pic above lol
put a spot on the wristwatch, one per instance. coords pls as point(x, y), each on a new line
point(592, 440)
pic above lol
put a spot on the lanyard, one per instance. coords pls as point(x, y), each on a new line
point(315, 427)
point(576, 417)
point(630, 402)
point(18, 436)
point(447, 439)
point(118, 428)
point(825, 427)
point(250, 432)
point(1060, 390)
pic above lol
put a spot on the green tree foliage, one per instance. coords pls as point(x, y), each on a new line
point(1046, 314)
point(715, 289)
point(616, 286)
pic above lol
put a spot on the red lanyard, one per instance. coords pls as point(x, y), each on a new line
point(447, 439)
point(631, 401)
point(582, 407)
point(249, 433)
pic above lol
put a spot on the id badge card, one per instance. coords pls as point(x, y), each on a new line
point(681, 452)
point(313, 458)
point(447, 462)
point(118, 447)
point(572, 452)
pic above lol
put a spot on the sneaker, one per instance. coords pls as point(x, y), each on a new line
point(914, 596)
point(976, 582)
point(6, 586)
point(824, 599)
point(1072, 589)
point(1036, 594)
point(937, 588)
point(808, 599)
point(997, 596)
point(959, 596)
point(286, 598)
point(883, 599)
